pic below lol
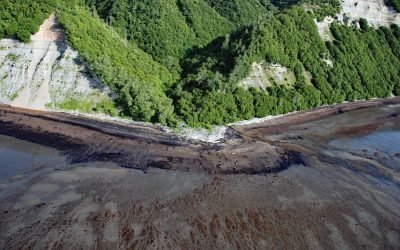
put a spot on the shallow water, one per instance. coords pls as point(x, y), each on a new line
point(385, 142)
point(17, 156)
point(382, 145)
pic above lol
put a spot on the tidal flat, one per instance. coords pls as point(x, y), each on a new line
point(327, 178)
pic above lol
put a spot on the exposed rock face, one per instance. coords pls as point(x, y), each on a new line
point(264, 75)
point(324, 29)
point(375, 11)
point(44, 72)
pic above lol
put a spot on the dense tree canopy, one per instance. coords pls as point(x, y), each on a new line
point(395, 4)
point(365, 65)
point(21, 18)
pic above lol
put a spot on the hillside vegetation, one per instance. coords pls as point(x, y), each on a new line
point(21, 18)
point(396, 4)
point(182, 60)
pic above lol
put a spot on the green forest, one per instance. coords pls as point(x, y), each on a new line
point(181, 61)
point(395, 4)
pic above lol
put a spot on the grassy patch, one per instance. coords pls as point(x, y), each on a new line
point(105, 106)
point(14, 96)
point(4, 77)
point(13, 57)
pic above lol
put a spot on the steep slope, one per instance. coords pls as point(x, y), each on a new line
point(21, 18)
point(139, 82)
point(242, 12)
point(187, 61)
point(356, 64)
point(44, 72)
point(206, 23)
point(395, 4)
point(165, 29)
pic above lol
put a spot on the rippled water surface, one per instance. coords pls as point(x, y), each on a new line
point(387, 142)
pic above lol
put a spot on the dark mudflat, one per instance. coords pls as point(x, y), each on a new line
point(327, 178)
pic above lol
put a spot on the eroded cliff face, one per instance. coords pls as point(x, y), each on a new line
point(376, 12)
point(44, 72)
point(264, 75)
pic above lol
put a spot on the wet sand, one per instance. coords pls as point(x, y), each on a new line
point(327, 178)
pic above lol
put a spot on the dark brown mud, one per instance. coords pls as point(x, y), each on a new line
point(84, 140)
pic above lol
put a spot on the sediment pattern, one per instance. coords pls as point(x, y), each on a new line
point(327, 178)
